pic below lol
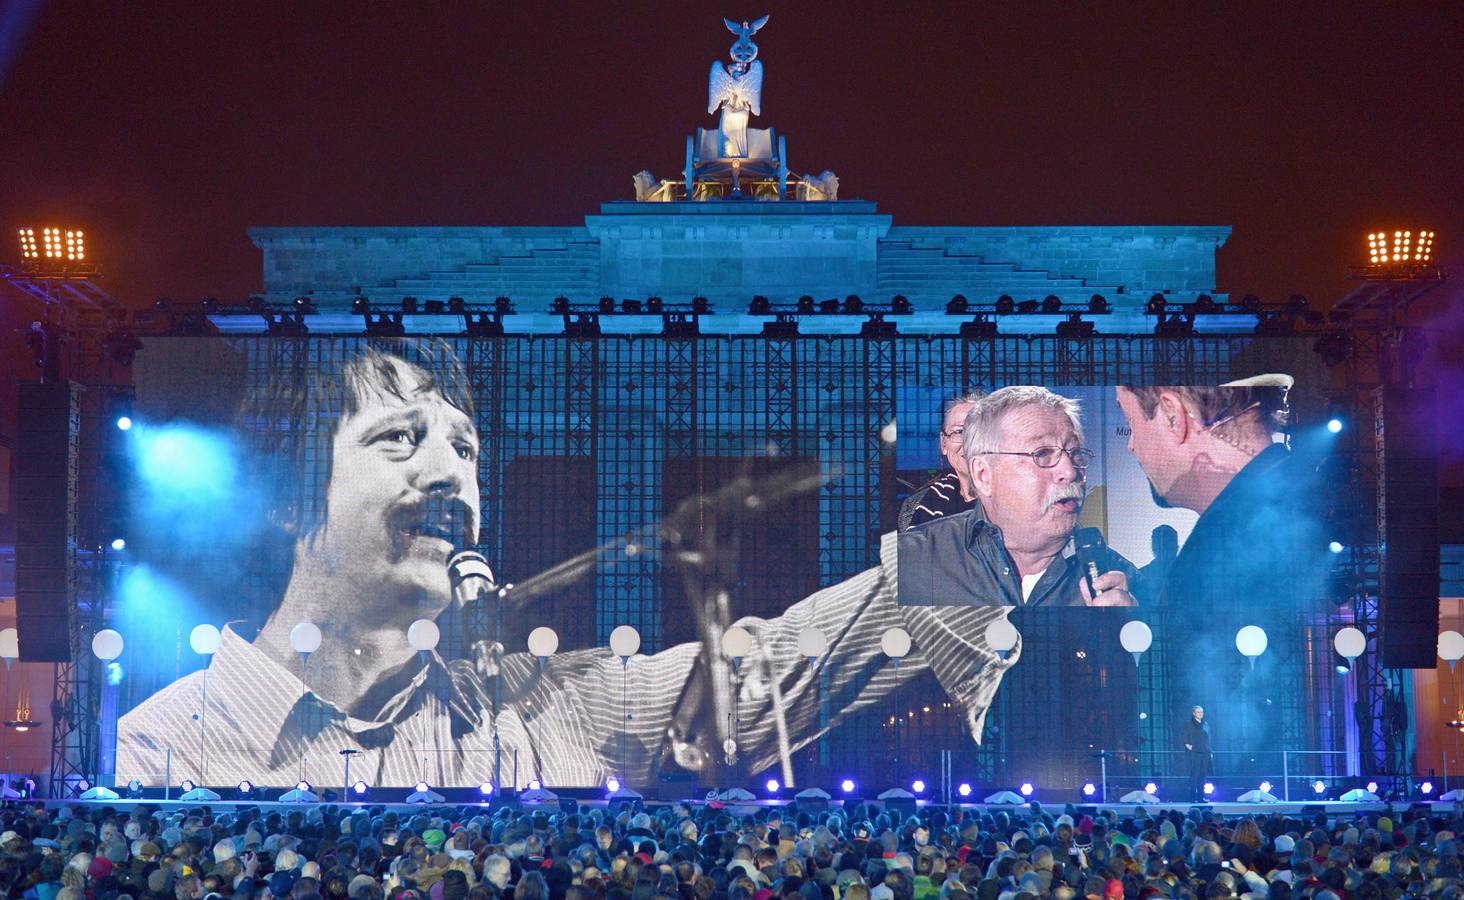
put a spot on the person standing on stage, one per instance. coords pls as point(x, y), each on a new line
point(1198, 760)
point(951, 492)
point(371, 458)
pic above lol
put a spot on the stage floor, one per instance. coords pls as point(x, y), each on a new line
point(1334, 808)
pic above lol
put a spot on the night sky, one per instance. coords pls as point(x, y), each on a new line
point(167, 129)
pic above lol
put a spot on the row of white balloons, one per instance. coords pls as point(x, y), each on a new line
point(423, 635)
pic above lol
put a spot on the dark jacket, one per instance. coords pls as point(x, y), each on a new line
point(1261, 539)
point(940, 496)
point(960, 560)
point(1197, 758)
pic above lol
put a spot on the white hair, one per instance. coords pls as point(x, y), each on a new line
point(983, 422)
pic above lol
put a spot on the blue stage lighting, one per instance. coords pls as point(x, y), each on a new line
point(422, 787)
point(360, 788)
point(535, 784)
point(964, 790)
point(246, 788)
point(187, 785)
point(847, 786)
point(1265, 787)
point(1090, 789)
point(486, 789)
point(134, 789)
point(1334, 425)
point(1426, 788)
point(1372, 787)
point(1319, 787)
point(772, 785)
point(1208, 788)
point(612, 784)
point(114, 673)
point(1336, 547)
point(918, 785)
point(119, 544)
point(1026, 789)
point(302, 785)
point(1151, 788)
point(124, 423)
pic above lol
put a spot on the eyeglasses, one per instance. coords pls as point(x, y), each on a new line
point(954, 432)
point(1047, 457)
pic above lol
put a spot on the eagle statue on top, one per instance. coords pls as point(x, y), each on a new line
point(737, 88)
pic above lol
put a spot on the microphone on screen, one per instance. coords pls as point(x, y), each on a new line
point(1090, 550)
point(472, 578)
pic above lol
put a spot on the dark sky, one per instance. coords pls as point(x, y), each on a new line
point(169, 128)
point(166, 129)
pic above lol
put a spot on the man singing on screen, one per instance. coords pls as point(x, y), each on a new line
point(1028, 466)
point(374, 459)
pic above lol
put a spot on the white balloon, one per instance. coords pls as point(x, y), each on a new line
point(812, 642)
point(736, 642)
point(9, 644)
point(1001, 635)
point(205, 640)
point(1251, 641)
point(624, 641)
point(106, 645)
point(1451, 646)
point(305, 637)
point(543, 641)
point(1350, 642)
point(423, 635)
point(895, 642)
point(1136, 637)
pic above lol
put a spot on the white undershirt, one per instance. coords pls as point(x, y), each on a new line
point(1029, 583)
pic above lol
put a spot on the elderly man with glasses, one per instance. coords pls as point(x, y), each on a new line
point(1024, 453)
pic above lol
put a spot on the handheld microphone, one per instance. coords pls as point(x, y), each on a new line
point(1090, 547)
point(472, 579)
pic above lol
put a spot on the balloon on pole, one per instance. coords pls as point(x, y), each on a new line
point(1350, 642)
point(1136, 637)
point(106, 645)
point(1251, 642)
point(812, 643)
point(1451, 647)
point(896, 643)
point(625, 641)
point(423, 635)
point(736, 643)
point(205, 640)
point(305, 639)
point(1001, 636)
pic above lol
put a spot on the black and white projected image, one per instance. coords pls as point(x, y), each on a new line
point(356, 473)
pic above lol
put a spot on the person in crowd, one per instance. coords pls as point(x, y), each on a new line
point(949, 492)
point(372, 456)
point(1027, 464)
point(964, 853)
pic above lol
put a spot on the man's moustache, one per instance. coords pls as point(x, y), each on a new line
point(438, 512)
point(1075, 493)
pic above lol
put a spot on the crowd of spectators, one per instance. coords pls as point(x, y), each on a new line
point(685, 852)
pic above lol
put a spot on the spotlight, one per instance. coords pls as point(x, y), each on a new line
point(1344, 667)
point(1335, 547)
point(847, 786)
point(612, 784)
point(1426, 788)
point(901, 305)
point(1051, 304)
point(246, 789)
point(1151, 788)
point(1089, 789)
point(186, 785)
point(1206, 305)
point(654, 305)
point(1099, 304)
point(486, 789)
point(536, 785)
point(1005, 305)
point(1027, 307)
point(805, 304)
point(918, 785)
point(1319, 787)
point(124, 423)
point(772, 785)
point(1026, 789)
point(119, 544)
point(607, 304)
point(1208, 788)
point(559, 306)
point(82, 786)
point(853, 305)
point(360, 307)
point(1334, 425)
point(422, 787)
point(303, 786)
point(360, 788)
point(1155, 306)
point(760, 306)
point(964, 790)
point(1372, 787)
point(1265, 787)
point(134, 789)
